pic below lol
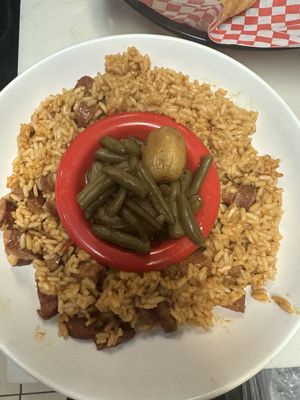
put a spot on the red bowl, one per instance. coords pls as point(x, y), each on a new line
point(71, 178)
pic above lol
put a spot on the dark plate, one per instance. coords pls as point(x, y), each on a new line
point(185, 31)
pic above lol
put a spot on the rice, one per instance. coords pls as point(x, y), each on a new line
point(242, 246)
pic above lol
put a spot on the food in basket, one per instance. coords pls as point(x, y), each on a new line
point(97, 303)
point(234, 7)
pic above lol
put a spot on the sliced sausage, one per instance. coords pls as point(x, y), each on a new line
point(166, 320)
point(198, 259)
point(18, 191)
point(47, 183)
point(11, 239)
point(50, 206)
point(49, 305)
point(84, 114)
point(146, 319)
point(227, 197)
point(245, 196)
point(128, 333)
point(239, 305)
point(90, 270)
point(53, 263)
point(85, 81)
point(6, 208)
point(35, 204)
point(236, 271)
point(21, 261)
point(78, 329)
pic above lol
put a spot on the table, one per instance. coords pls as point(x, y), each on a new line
point(51, 25)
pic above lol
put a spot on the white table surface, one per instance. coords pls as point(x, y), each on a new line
point(47, 26)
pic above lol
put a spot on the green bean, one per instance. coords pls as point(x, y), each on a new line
point(155, 190)
point(145, 205)
point(196, 203)
point(115, 222)
point(174, 191)
point(156, 205)
point(89, 186)
point(113, 144)
point(123, 165)
point(133, 161)
point(165, 189)
point(132, 147)
point(117, 202)
point(200, 175)
point(189, 223)
point(128, 181)
point(94, 171)
point(89, 211)
point(121, 239)
point(137, 140)
point(108, 156)
point(132, 220)
point(186, 180)
point(97, 186)
point(142, 213)
point(175, 230)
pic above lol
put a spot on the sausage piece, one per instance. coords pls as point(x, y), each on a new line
point(11, 239)
point(50, 206)
point(6, 208)
point(49, 305)
point(53, 263)
point(35, 204)
point(146, 319)
point(227, 197)
point(78, 329)
point(245, 196)
point(47, 183)
point(128, 333)
point(239, 305)
point(166, 320)
point(85, 81)
point(197, 258)
point(90, 270)
point(84, 114)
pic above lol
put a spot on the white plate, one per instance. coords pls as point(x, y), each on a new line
point(193, 364)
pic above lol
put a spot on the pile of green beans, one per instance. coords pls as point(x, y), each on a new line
point(128, 208)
